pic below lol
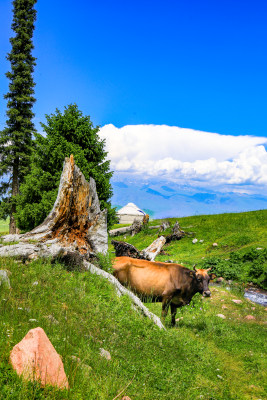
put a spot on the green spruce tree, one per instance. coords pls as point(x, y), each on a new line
point(16, 138)
point(66, 133)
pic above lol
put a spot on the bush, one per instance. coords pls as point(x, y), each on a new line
point(248, 267)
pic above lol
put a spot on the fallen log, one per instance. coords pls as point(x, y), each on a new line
point(127, 229)
point(128, 250)
point(75, 224)
point(154, 249)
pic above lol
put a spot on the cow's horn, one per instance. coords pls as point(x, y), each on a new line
point(209, 269)
point(194, 267)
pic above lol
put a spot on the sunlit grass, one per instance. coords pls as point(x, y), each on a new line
point(204, 355)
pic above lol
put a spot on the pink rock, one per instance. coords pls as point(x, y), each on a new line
point(221, 316)
point(237, 301)
point(250, 317)
point(35, 358)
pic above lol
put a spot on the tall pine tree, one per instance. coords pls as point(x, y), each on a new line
point(16, 138)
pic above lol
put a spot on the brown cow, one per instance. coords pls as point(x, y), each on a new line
point(170, 283)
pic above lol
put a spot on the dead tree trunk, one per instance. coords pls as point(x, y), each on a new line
point(75, 224)
point(176, 234)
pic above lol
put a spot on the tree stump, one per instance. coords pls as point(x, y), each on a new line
point(75, 225)
point(177, 233)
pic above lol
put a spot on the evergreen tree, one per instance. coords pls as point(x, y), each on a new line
point(65, 134)
point(16, 138)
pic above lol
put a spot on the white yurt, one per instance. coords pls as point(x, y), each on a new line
point(129, 213)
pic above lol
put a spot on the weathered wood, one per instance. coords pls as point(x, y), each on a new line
point(121, 290)
point(165, 225)
point(136, 227)
point(128, 250)
point(154, 249)
point(177, 233)
point(75, 223)
point(127, 229)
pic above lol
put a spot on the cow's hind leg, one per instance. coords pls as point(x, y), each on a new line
point(173, 313)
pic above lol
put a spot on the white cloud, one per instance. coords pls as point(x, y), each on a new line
point(153, 150)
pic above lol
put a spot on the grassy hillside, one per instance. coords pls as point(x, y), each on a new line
point(203, 357)
point(237, 237)
point(81, 313)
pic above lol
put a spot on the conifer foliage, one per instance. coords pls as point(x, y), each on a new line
point(16, 138)
point(66, 133)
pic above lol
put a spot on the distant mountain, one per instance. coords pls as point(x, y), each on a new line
point(167, 199)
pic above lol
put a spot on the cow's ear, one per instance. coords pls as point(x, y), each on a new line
point(213, 276)
point(192, 274)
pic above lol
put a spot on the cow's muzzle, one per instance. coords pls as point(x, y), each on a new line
point(207, 293)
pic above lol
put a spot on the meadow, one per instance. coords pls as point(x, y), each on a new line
point(203, 357)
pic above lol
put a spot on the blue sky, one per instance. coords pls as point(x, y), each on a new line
point(143, 70)
point(193, 64)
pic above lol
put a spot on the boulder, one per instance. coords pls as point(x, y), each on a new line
point(35, 358)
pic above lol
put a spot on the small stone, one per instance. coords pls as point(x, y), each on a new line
point(253, 308)
point(259, 248)
point(52, 319)
point(35, 283)
point(224, 307)
point(35, 358)
point(215, 244)
point(126, 398)
point(265, 309)
point(250, 317)
point(194, 241)
point(32, 320)
point(105, 354)
point(75, 359)
point(220, 279)
point(221, 316)
point(219, 376)
point(179, 319)
point(237, 301)
point(201, 241)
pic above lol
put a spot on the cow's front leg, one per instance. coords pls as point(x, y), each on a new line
point(173, 313)
point(165, 306)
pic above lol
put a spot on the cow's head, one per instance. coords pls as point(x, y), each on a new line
point(202, 280)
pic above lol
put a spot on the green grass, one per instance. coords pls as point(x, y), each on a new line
point(203, 357)
point(4, 226)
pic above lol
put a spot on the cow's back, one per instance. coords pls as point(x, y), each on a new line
point(145, 277)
